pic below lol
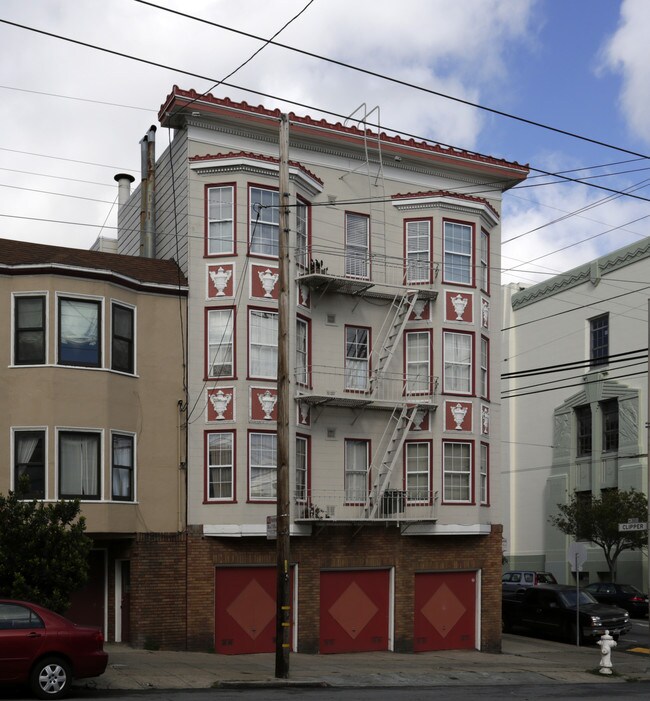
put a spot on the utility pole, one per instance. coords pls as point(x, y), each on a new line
point(283, 611)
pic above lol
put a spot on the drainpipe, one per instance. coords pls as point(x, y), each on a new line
point(147, 188)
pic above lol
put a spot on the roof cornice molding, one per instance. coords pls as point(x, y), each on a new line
point(443, 200)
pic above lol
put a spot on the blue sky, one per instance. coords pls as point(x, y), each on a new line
point(579, 65)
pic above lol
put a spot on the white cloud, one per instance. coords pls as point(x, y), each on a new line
point(627, 53)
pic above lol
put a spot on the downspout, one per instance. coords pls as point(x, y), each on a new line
point(148, 194)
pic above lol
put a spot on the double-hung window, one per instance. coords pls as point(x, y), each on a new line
point(583, 430)
point(302, 352)
point(457, 472)
point(418, 362)
point(79, 465)
point(29, 463)
point(418, 471)
point(484, 473)
point(123, 339)
point(458, 363)
point(302, 235)
point(263, 344)
point(29, 330)
point(221, 239)
point(609, 412)
point(264, 221)
point(484, 384)
point(220, 462)
point(220, 360)
point(485, 261)
point(80, 337)
point(357, 245)
point(418, 251)
point(263, 464)
point(458, 246)
point(599, 340)
point(356, 471)
point(123, 467)
point(302, 467)
point(357, 358)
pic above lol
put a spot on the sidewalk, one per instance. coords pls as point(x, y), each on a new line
point(523, 661)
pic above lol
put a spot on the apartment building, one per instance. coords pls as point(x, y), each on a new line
point(91, 370)
point(575, 405)
point(394, 348)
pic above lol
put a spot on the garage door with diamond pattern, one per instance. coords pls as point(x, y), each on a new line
point(354, 610)
point(244, 610)
point(445, 611)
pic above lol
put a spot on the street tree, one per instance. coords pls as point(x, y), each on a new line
point(43, 550)
point(597, 520)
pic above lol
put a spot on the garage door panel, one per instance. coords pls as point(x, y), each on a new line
point(445, 611)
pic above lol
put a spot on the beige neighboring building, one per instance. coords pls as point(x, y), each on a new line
point(91, 371)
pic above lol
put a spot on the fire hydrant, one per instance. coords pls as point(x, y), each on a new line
point(606, 645)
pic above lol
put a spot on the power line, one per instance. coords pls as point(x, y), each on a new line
point(576, 384)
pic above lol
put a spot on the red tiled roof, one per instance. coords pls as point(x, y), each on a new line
point(199, 99)
point(257, 157)
point(18, 257)
point(445, 193)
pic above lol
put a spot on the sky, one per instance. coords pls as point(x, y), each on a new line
point(73, 116)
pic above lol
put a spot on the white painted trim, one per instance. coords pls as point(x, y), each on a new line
point(446, 529)
point(245, 530)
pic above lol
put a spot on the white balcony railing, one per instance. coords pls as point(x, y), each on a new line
point(396, 505)
point(353, 385)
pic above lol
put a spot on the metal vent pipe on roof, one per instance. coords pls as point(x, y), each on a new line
point(148, 194)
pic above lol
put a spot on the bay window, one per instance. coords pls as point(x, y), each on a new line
point(357, 245)
point(418, 251)
point(357, 358)
point(220, 341)
point(302, 235)
point(356, 471)
point(123, 467)
point(264, 221)
point(29, 463)
point(485, 368)
point(220, 216)
point(418, 471)
point(80, 332)
point(302, 352)
point(458, 249)
point(263, 464)
point(122, 339)
point(302, 467)
point(29, 330)
point(418, 362)
point(457, 363)
point(263, 344)
point(220, 461)
point(457, 472)
point(79, 465)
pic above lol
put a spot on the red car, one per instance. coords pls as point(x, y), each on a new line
point(46, 651)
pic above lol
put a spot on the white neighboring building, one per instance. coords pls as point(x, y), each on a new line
point(574, 405)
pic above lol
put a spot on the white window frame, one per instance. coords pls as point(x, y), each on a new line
point(484, 370)
point(98, 303)
point(484, 471)
point(259, 345)
point(458, 253)
point(220, 343)
point(457, 377)
point(115, 304)
point(357, 368)
point(99, 434)
point(219, 468)
point(302, 234)
point(264, 235)
point(357, 245)
point(418, 257)
point(418, 370)
point(15, 432)
point(417, 468)
point(15, 332)
point(262, 448)
point(356, 467)
point(302, 352)
point(221, 217)
point(457, 472)
point(302, 469)
point(132, 467)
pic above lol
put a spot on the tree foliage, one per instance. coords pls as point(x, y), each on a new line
point(43, 550)
point(597, 520)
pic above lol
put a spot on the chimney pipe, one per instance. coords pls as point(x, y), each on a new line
point(123, 181)
point(148, 190)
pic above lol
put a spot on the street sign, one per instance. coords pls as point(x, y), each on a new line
point(576, 555)
point(622, 527)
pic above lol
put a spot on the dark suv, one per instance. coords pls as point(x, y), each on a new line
point(518, 580)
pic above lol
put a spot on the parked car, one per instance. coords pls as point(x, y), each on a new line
point(626, 596)
point(519, 580)
point(46, 651)
point(553, 609)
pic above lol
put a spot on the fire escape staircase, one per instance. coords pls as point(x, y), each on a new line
point(401, 421)
point(402, 306)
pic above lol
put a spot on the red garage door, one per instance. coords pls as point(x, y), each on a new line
point(354, 607)
point(445, 611)
point(245, 607)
